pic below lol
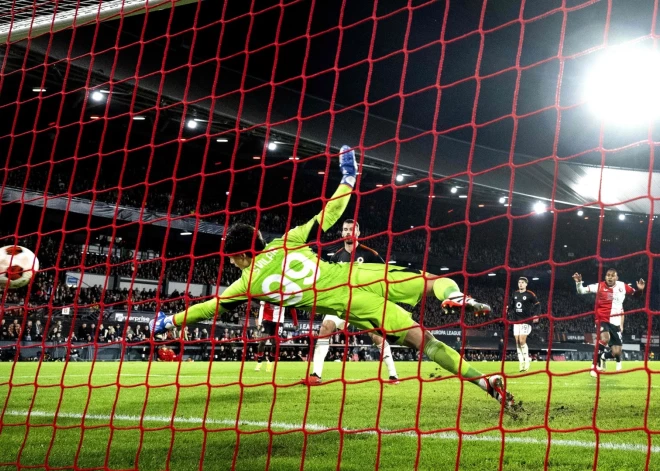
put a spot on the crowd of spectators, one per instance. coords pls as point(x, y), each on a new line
point(418, 237)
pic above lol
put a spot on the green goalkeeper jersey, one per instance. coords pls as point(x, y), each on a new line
point(288, 273)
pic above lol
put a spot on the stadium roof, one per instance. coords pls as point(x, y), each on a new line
point(573, 178)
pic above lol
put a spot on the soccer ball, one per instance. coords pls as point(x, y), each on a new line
point(18, 266)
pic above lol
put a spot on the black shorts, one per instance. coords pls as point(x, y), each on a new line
point(614, 331)
point(269, 328)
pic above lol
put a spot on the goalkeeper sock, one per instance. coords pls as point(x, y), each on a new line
point(388, 360)
point(450, 360)
point(444, 287)
point(320, 352)
point(521, 358)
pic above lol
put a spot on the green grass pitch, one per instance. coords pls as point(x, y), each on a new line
point(132, 421)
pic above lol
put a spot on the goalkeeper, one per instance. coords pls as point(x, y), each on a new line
point(288, 273)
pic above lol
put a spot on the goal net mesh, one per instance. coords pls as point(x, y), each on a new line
point(133, 133)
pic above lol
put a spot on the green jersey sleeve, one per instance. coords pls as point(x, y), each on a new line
point(235, 295)
point(330, 214)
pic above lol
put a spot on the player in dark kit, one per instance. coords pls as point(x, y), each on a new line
point(523, 306)
point(352, 251)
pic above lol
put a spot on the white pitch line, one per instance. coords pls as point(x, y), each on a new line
point(318, 428)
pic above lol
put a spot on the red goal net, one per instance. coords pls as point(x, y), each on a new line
point(496, 141)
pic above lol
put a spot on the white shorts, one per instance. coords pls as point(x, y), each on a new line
point(339, 322)
point(522, 329)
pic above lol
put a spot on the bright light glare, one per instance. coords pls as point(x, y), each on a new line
point(272, 146)
point(192, 124)
point(399, 178)
point(622, 217)
point(454, 189)
point(539, 208)
point(580, 213)
point(502, 200)
point(97, 96)
point(622, 88)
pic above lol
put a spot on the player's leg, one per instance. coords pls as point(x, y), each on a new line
point(407, 286)
point(525, 330)
point(386, 355)
point(261, 346)
point(369, 311)
point(616, 346)
point(599, 362)
point(329, 325)
point(516, 335)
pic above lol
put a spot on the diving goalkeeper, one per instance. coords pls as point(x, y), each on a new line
point(287, 272)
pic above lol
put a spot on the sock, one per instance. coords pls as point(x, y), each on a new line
point(320, 352)
point(607, 355)
point(618, 358)
point(525, 353)
point(521, 358)
point(445, 287)
point(387, 359)
point(601, 350)
point(450, 360)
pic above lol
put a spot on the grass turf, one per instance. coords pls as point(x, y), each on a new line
point(117, 416)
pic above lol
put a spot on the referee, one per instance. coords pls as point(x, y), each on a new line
point(363, 254)
point(523, 306)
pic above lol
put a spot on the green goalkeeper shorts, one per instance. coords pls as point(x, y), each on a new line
point(376, 290)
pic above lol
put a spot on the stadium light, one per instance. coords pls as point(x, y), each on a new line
point(580, 213)
point(97, 96)
point(192, 124)
point(186, 233)
point(272, 146)
point(462, 196)
point(444, 269)
point(622, 86)
point(502, 200)
point(491, 274)
point(454, 189)
point(622, 217)
point(536, 278)
point(539, 208)
point(222, 139)
point(38, 90)
point(139, 118)
point(399, 178)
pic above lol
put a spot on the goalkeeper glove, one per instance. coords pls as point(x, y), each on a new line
point(348, 166)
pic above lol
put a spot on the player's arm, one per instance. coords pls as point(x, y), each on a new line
point(334, 208)
point(235, 295)
point(641, 284)
point(623, 318)
point(536, 307)
point(581, 289)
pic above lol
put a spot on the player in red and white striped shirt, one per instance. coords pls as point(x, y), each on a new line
point(610, 295)
point(269, 324)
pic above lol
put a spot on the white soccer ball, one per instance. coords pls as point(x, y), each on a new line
point(18, 266)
